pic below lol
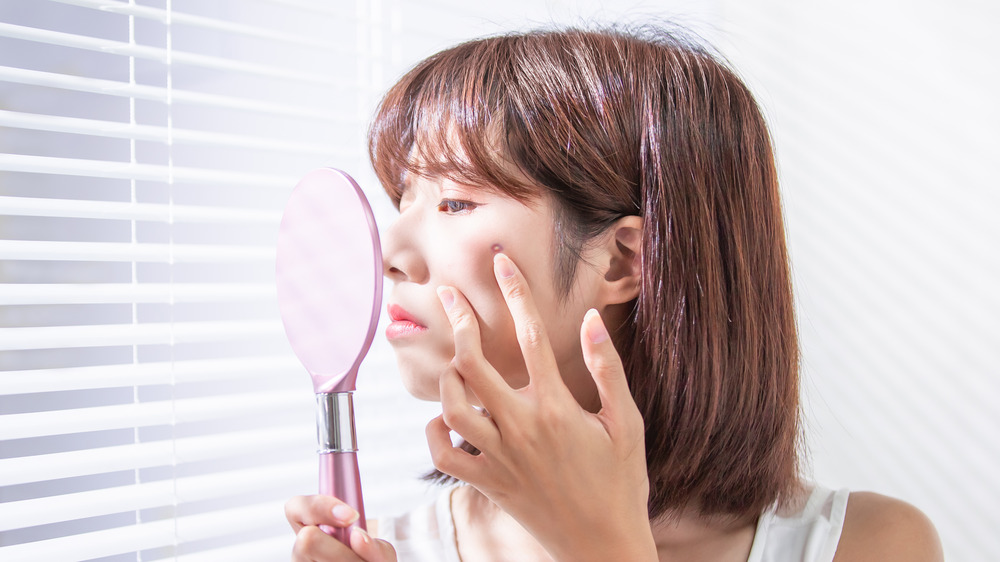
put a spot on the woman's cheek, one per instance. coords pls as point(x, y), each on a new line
point(468, 266)
point(473, 275)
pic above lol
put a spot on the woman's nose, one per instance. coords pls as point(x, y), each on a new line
point(401, 256)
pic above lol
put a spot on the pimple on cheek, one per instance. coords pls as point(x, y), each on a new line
point(469, 266)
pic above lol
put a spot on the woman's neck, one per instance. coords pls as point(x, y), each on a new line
point(688, 535)
point(485, 532)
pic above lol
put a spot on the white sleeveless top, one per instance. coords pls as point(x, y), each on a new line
point(807, 532)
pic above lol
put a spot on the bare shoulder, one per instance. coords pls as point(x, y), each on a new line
point(878, 527)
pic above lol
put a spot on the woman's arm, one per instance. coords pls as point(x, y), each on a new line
point(884, 529)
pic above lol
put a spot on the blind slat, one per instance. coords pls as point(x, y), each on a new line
point(249, 98)
point(133, 131)
point(162, 333)
point(145, 374)
point(125, 252)
point(118, 210)
point(108, 293)
point(97, 544)
point(67, 507)
point(84, 462)
point(153, 93)
point(147, 495)
point(146, 414)
point(145, 536)
point(310, 6)
point(142, 172)
point(178, 18)
point(165, 56)
point(276, 548)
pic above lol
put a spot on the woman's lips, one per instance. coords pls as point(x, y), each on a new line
point(403, 324)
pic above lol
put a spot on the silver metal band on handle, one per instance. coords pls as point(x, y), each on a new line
point(335, 422)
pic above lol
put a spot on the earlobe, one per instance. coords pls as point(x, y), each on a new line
point(624, 248)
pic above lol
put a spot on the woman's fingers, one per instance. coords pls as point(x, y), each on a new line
point(538, 356)
point(448, 458)
point(482, 378)
point(307, 513)
point(370, 549)
point(606, 368)
point(473, 424)
point(302, 511)
point(313, 545)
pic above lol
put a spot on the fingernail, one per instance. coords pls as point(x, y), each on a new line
point(596, 331)
point(447, 297)
point(365, 537)
point(503, 266)
point(345, 513)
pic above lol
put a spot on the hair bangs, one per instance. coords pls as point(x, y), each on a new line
point(446, 118)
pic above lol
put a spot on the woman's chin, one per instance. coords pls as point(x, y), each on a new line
point(421, 386)
point(426, 387)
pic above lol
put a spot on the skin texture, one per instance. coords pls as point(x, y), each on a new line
point(445, 235)
point(492, 331)
point(877, 527)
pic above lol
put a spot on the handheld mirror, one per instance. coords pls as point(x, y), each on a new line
point(329, 282)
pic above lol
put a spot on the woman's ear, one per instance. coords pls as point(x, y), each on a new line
point(623, 245)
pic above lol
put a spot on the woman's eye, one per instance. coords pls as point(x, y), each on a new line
point(453, 207)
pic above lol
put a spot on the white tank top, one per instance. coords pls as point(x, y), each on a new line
point(805, 532)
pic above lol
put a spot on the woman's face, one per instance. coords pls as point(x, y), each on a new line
point(447, 234)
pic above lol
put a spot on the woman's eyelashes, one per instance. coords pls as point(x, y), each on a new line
point(455, 207)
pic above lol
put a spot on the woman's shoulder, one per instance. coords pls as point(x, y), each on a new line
point(882, 528)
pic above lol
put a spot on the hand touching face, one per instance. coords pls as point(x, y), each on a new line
point(446, 234)
point(576, 480)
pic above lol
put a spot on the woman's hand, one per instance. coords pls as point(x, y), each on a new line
point(575, 480)
point(306, 513)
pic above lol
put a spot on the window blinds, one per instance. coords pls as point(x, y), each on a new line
point(149, 406)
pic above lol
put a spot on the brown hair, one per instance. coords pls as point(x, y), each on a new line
point(615, 122)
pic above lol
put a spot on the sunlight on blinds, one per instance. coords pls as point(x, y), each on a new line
point(150, 406)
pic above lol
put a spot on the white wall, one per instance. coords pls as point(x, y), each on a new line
point(885, 121)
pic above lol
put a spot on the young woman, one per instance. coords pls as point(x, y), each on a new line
point(590, 274)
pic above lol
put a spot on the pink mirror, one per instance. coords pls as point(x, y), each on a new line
point(329, 282)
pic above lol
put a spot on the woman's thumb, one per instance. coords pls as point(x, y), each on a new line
point(371, 549)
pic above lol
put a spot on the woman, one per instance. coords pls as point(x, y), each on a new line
point(590, 274)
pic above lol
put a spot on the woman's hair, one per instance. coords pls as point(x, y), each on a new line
point(615, 122)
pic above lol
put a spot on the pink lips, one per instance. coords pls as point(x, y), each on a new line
point(403, 324)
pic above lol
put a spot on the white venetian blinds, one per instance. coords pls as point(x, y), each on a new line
point(149, 406)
